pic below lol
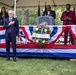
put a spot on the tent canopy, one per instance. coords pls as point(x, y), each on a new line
point(34, 3)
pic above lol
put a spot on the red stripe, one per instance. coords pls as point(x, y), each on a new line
point(26, 35)
point(43, 47)
point(71, 32)
point(52, 43)
point(1, 28)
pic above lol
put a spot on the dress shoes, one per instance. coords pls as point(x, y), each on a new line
point(7, 59)
point(14, 60)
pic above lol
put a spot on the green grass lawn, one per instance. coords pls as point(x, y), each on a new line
point(35, 66)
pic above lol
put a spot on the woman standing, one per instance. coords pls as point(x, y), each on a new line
point(3, 15)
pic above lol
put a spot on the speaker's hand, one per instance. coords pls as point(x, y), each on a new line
point(11, 23)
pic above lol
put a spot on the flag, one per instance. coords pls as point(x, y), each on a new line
point(45, 9)
point(74, 10)
point(39, 8)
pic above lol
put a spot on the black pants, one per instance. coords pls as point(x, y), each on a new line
point(11, 38)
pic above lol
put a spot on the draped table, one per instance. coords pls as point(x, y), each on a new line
point(28, 48)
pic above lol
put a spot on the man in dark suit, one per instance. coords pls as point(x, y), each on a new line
point(12, 32)
point(49, 12)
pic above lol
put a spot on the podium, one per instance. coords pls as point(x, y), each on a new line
point(47, 19)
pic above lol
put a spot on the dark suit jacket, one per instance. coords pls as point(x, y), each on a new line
point(51, 12)
point(2, 19)
point(13, 28)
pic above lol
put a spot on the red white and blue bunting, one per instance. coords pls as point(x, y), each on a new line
point(30, 48)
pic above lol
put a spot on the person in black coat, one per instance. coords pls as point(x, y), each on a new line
point(49, 12)
point(3, 15)
point(11, 34)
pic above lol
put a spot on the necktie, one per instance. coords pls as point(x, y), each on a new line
point(10, 19)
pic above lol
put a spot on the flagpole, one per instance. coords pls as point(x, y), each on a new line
point(15, 8)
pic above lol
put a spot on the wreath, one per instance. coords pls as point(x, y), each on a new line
point(41, 35)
